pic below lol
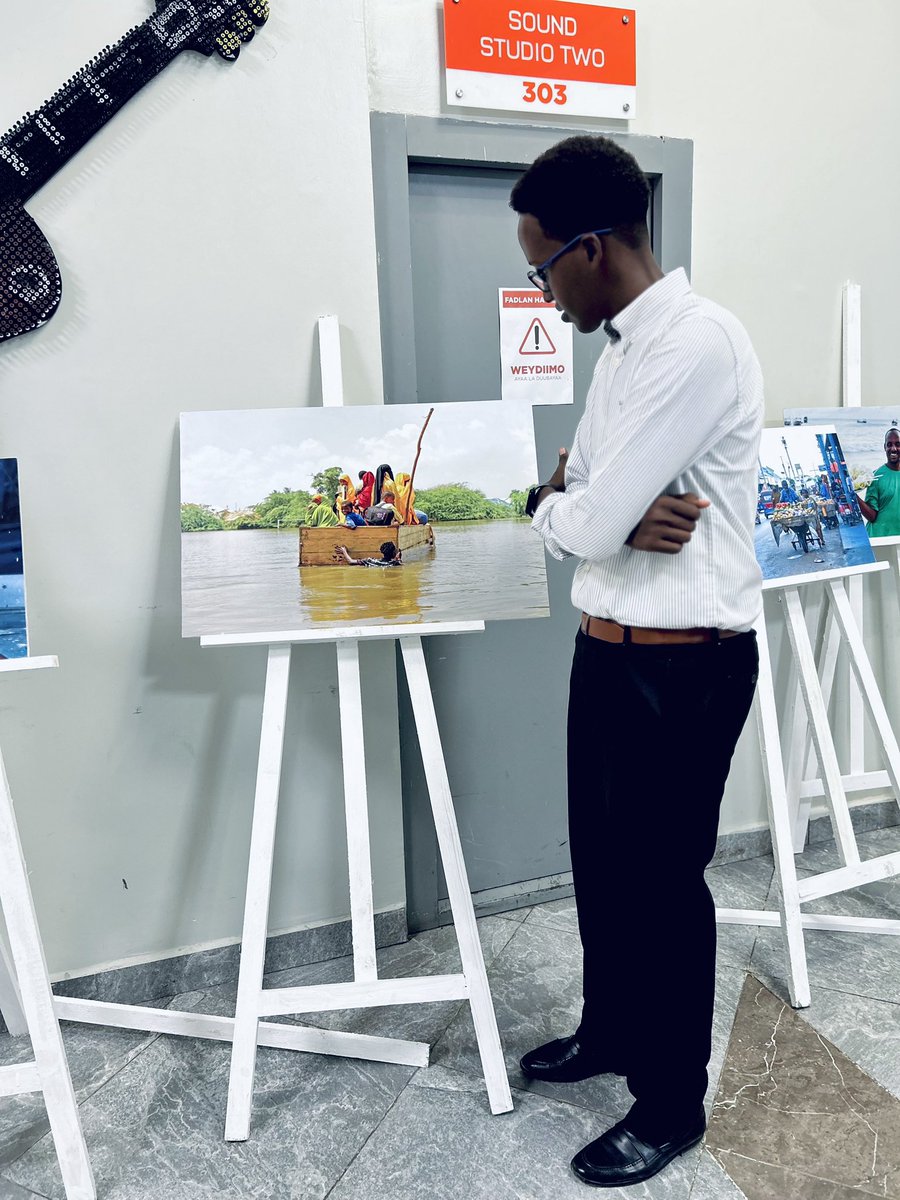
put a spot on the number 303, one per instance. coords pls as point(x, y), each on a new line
point(543, 92)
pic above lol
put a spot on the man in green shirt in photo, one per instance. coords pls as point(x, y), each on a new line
point(881, 507)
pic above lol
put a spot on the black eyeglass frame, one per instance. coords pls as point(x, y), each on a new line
point(538, 275)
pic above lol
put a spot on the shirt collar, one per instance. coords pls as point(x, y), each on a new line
point(649, 308)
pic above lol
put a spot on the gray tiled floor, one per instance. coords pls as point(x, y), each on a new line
point(153, 1107)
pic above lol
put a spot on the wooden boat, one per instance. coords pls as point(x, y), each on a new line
point(317, 544)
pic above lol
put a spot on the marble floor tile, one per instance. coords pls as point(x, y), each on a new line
point(437, 1144)
point(743, 884)
point(794, 1117)
point(866, 964)
point(12, 1191)
point(536, 985)
point(561, 913)
point(515, 914)
point(867, 1031)
point(711, 1182)
point(95, 1055)
point(155, 1131)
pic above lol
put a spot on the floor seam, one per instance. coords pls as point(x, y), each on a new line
point(372, 1132)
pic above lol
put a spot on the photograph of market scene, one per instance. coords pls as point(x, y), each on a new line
point(808, 518)
point(300, 518)
point(870, 438)
point(13, 635)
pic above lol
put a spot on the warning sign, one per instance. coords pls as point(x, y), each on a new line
point(537, 340)
point(535, 349)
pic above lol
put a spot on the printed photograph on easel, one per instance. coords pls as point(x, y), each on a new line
point(367, 515)
point(870, 438)
point(808, 519)
point(13, 631)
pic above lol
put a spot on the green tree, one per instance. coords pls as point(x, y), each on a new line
point(195, 517)
point(517, 500)
point(327, 482)
point(282, 508)
point(457, 502)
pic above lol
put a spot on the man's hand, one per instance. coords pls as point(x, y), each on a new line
point(668, 524)
point(558, 479)
point(866, 509)
point(556, 483)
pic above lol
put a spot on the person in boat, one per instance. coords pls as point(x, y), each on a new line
point(364, 495)
point(406, 500)
point(391, 556)
point(384, 479)
point(346, 491)
point(320, 514)
point(351, 516)
point(385, 512)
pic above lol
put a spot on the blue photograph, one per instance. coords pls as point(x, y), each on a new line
point(13, 633)
point(808, 517)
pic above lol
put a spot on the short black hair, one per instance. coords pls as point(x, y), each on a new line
point(388, 551)
point(893, 429)
point(583, 183)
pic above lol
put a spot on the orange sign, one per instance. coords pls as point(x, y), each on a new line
point(534, 55)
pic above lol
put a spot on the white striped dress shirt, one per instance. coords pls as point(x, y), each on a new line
point(675, 405)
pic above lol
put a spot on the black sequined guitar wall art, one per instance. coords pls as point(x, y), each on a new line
point(43, 142)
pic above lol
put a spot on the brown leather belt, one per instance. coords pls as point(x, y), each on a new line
point(612, 631)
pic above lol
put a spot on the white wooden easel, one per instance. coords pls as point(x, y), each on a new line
point(246, 1031)
point(836, 627)
point(28, 1003)
point(366, 990)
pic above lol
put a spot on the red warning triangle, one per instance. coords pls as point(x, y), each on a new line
point(537, 340)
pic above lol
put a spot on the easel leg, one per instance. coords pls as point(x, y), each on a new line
point(37, 1004)
point(362, 909)
point(780, 826)
point(483, 1015)
point(798, 765)
point(857, 712)
point(866, 682)
point(821, 731)
point(10, 1000)
point(259, 883)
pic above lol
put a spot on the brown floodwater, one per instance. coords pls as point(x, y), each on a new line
point(248, 581)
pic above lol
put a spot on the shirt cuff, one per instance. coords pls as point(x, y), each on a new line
point(541, 524)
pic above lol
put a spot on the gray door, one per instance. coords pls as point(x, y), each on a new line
point(500, 695)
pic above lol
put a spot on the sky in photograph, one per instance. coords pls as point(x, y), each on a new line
point(793, 445)
point(231, 460)
point(860, 430)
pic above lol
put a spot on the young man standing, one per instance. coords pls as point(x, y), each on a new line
point(665, 664)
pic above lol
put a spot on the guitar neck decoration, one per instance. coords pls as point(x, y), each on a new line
point(41, 143)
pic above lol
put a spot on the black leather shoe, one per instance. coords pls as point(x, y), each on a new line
point(620, 1158)
point(564, 1060)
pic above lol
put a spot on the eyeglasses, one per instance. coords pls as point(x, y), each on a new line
point(538, 275)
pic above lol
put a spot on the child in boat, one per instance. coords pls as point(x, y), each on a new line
point(351, 516)
point(385, 512)
point(391, 556)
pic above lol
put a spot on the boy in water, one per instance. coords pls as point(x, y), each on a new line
point(391, 556)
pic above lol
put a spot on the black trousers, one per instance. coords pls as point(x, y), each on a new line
point(651, 734)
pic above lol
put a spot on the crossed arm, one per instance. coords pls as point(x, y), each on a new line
point(665, 528)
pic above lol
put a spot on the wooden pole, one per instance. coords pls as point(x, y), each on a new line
point(415, 464)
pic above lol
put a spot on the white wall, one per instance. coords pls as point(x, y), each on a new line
point(793, 111)
point(200, 235)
